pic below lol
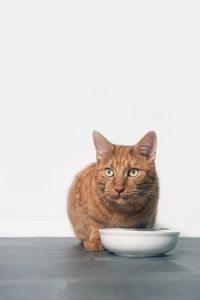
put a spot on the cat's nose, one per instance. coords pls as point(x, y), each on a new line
point(119, 189)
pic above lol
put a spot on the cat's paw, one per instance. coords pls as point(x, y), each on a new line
point(93, 245)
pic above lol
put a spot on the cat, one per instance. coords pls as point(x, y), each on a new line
point(120, 190)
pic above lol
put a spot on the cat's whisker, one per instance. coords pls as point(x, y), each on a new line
point(141, 193)
point(147, 192)
point(145, 189)
point(104, 194)
point(146, 203)
point(139, 203)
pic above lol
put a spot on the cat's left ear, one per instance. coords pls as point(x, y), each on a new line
point(103, 147)
point(147, 146)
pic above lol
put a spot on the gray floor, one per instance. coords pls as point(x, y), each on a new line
point(58, 268)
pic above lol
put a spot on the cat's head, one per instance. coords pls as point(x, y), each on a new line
point(125, 172)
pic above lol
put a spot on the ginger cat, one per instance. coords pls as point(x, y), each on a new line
point(120, 190)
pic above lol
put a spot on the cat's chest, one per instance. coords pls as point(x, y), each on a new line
point(110, 218)
point(114, 219)
point(117, 220)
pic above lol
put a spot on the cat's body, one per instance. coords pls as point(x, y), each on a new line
point(120, 190)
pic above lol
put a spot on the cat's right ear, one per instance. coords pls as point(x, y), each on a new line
point(147, 146)
point(103, 147)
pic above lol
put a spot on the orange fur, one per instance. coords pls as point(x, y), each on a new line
point(98, 201)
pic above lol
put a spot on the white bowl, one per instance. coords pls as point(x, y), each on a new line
point(138, 242)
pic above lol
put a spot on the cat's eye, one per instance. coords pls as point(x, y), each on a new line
point(108, 172)
point(133, 172)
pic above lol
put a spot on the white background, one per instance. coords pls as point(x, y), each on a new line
point(121, 67)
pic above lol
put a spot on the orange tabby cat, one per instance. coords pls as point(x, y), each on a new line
point(120, 190)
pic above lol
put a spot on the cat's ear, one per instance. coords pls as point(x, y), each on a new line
point(103, 147)
point(147, 146)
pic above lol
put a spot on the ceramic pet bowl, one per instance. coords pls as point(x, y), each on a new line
point(139, 242)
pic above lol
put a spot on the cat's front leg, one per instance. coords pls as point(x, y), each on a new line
point(93, 243)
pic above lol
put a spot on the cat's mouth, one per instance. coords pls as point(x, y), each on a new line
point(124, 201)
point(119, 198)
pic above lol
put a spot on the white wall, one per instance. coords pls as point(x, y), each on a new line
point(121, 67)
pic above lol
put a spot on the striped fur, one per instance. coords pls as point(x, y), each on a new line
point(93, 201)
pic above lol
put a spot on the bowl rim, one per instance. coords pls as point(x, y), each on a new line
point(137, 231)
